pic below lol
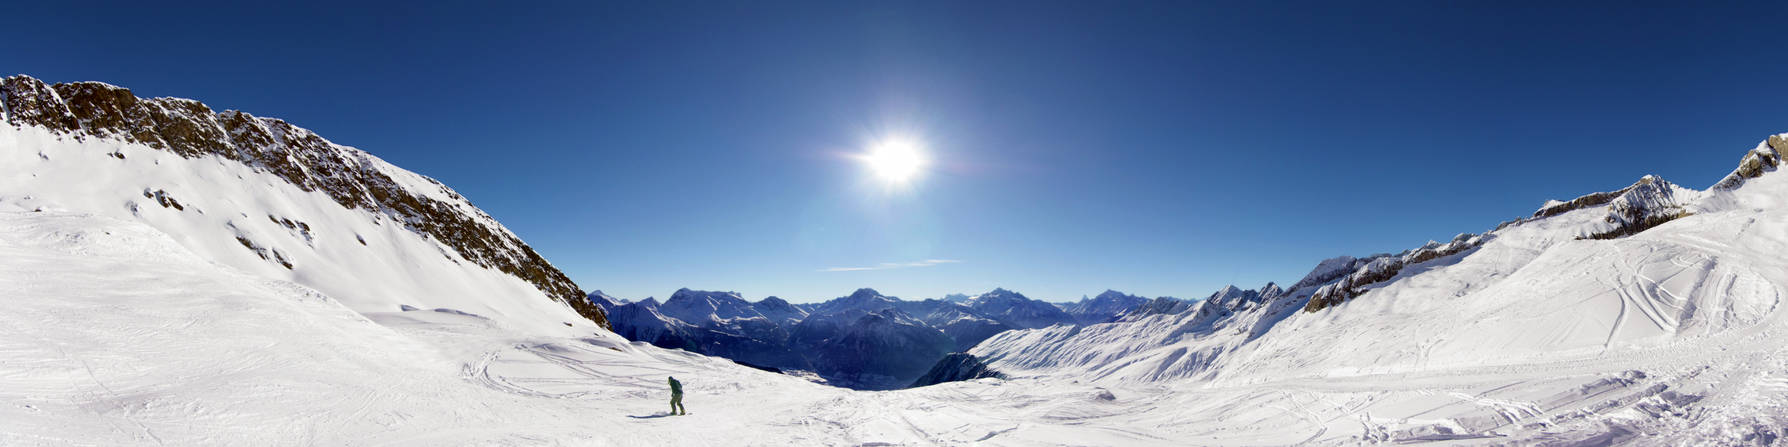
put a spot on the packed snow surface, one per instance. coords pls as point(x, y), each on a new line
point(255, 221)
point(1671, 335)
point(120, 336)
point(132, 322)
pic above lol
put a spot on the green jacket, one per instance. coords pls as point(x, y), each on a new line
point(676, 387)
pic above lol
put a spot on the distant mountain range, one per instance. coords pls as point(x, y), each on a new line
point(864, 340)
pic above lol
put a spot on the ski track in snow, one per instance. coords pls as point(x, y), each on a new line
point(131, 355)
point(140, 326)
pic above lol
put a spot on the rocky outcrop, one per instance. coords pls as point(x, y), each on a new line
point(956, 367)
point(350, 177)
point(1648, 203)
point(1554, 207)
point(1766, 157)
point(1645, 204)
point(1382, 268)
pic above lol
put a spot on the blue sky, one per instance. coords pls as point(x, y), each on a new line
point(1158, 149)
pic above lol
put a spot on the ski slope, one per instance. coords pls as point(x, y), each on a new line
point(118, 335)
point(224, 207)
point(155, 298)
point(1670, 335)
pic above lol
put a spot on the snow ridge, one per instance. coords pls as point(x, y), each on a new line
point(1633, 314)
point(350, 177)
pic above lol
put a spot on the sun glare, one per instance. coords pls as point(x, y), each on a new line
point(895, 161)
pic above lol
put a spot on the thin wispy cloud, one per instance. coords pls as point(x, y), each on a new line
point(893, 265)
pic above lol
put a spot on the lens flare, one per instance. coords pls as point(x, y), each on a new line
point(895, 161)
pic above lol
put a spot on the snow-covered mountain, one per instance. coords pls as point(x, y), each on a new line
point(1018, 311)
point(268, 197)
point(883, 349)
point(714, 323)
point(863, 340)
point(779, 311)
point(1642, 310)
point(1103, 308)
point(176, 276)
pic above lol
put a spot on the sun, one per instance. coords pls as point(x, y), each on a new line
point(895, 161)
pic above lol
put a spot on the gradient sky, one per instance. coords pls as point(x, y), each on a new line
point(1158, 149)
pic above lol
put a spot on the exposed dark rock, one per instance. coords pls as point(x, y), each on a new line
point(1381, 268)
point(1586, 201)
point(349, 176)
point(1646, 204)
point(162, 197)
point(956, 367)
point(758, 367)
point(1765, 158)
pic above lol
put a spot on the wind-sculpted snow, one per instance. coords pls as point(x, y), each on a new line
point(85, 116)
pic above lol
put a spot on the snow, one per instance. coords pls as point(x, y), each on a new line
point(1535, 335)
point(125, 337)
point(133, 323)
point(222, 200)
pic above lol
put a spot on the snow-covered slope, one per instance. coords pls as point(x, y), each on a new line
point(1648, 310)
point(170, 277)
point(117, 334)
point(275, 200)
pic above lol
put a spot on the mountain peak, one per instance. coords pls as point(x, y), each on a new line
point(1002, 294)
point(1111, 294)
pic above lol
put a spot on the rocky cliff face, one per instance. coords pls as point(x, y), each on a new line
point(1765, 158)
point(352, 178)
point(956, 367)
point(1383, 268)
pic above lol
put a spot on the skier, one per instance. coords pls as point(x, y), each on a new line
point(677, 397)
